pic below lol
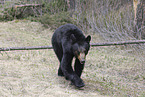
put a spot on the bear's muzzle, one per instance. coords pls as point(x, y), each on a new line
point(82, 58)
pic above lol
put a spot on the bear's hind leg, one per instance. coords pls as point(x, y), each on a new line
point(58, 51)
point(60, 73)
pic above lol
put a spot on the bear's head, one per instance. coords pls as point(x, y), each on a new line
point(80, 48)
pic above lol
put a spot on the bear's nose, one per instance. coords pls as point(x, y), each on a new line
point(82, 61)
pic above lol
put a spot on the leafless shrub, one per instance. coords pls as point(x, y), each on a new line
point(111, 19)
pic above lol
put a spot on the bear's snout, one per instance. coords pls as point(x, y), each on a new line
point(82, 58)
point(82, 61)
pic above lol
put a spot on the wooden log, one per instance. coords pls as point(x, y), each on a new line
point(25, 48)
point(92, 44)
point(119, 43)
point(23, 7)
point(28, 5)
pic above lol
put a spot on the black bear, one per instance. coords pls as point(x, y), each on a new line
point(68, 41)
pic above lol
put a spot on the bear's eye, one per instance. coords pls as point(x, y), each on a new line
point(84, 50)
point(77, 53)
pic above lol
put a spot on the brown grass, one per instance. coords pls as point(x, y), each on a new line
point(109, 71)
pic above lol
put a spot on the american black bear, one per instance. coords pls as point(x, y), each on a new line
point(68, 41)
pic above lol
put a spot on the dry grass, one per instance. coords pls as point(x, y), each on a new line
point(32, 73)
point(108, 71)
point(116, 72)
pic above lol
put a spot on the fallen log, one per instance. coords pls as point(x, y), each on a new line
point(25, 48)
point(119, 43)
point(28, 5)
point(92, 44)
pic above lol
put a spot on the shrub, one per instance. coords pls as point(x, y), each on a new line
point(56, 20)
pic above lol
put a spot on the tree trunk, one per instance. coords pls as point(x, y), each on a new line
point(71, 6)
point(138, 18)
point(143, 22)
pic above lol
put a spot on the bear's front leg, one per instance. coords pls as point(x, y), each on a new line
point(68, 71)
point(78, 67)
point(77, 81)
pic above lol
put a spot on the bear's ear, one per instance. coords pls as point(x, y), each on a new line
point(73, 38)
point(88, 39)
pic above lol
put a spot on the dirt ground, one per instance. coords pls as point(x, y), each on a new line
point(109, 71)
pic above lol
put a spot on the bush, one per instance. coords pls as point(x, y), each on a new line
point(111, 19)
point(56, 20)
point(54, 6)
point(7, 14)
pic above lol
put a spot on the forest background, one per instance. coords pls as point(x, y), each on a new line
point(117, 71)
point(113, 20)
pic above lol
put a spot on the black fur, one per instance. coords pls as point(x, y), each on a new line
point(68, 41)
